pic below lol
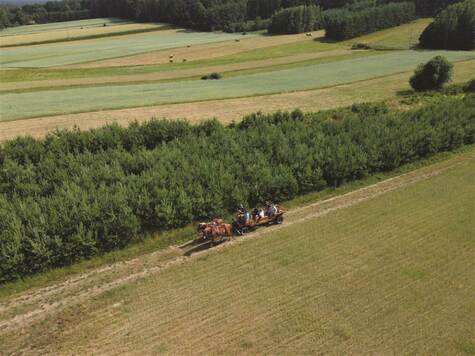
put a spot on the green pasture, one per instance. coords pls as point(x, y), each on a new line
point(402, 37)
point(55, 102)
point(66, 53)
point(55, 26)
point(28, 74)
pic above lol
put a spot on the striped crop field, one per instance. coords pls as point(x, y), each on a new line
point(66, 53)
point(42, 102)
point(380, 269)
point(79, 32)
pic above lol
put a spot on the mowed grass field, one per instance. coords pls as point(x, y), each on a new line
point(382, 274)
point(65, 53)
point(45, 102)
point(78, 32)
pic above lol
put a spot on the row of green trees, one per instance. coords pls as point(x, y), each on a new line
point(51, 11)
point(77, 194)
point(453, 28)
point(344, 24)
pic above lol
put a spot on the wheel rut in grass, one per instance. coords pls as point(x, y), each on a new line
point(32, 306)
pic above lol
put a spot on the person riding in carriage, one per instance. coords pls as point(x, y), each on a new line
point(271, 209)
point(243, 214)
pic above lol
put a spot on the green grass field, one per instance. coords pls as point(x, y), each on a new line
point(65, 53)
point(43, 103)
point(388, 274)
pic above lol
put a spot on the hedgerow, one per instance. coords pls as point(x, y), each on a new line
point(74, 194)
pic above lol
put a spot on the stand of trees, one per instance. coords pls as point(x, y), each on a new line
point(78, 194)
point(51, 11)
point(427, 8)
point(296, 19)
point(344, 24)
point(453, 28)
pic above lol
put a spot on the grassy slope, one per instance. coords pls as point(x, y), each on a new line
point(42, 103)
point(387, 274)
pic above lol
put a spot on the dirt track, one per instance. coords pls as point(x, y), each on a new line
point(26, 308)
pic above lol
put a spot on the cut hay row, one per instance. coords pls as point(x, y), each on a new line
point(42, 103)
point(385, 274)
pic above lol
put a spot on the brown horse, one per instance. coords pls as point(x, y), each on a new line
point(215, 231)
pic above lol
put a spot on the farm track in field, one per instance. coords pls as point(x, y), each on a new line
point(20, 311)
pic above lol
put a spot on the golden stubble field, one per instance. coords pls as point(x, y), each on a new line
point(381, 270)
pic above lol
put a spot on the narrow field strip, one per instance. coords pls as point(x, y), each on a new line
point(60, 54)
point(244, 46)
point(42, 103)
point(229, 110)
point(42, 303)
point(80, 33)
point(264, 65)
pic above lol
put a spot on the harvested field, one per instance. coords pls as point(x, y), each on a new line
point(207, 51)
point(266, 64)
point(59, 54)
point(42, 103)
point(384, 268)
point(230, 109)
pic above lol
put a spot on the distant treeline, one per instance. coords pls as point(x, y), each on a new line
point(239, 15)
point(75, 195)
point(51, 11)
point(453, 28)
point(279, 16)
point(344, 24)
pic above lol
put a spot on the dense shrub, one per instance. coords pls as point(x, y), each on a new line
point(296, 20)
point(453, 28)
point(432, 75)
point(213, 76)
point(77, 194)
point(345, 24)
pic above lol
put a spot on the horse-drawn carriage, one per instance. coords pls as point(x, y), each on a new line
point(217, 231)
point(243, 223)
